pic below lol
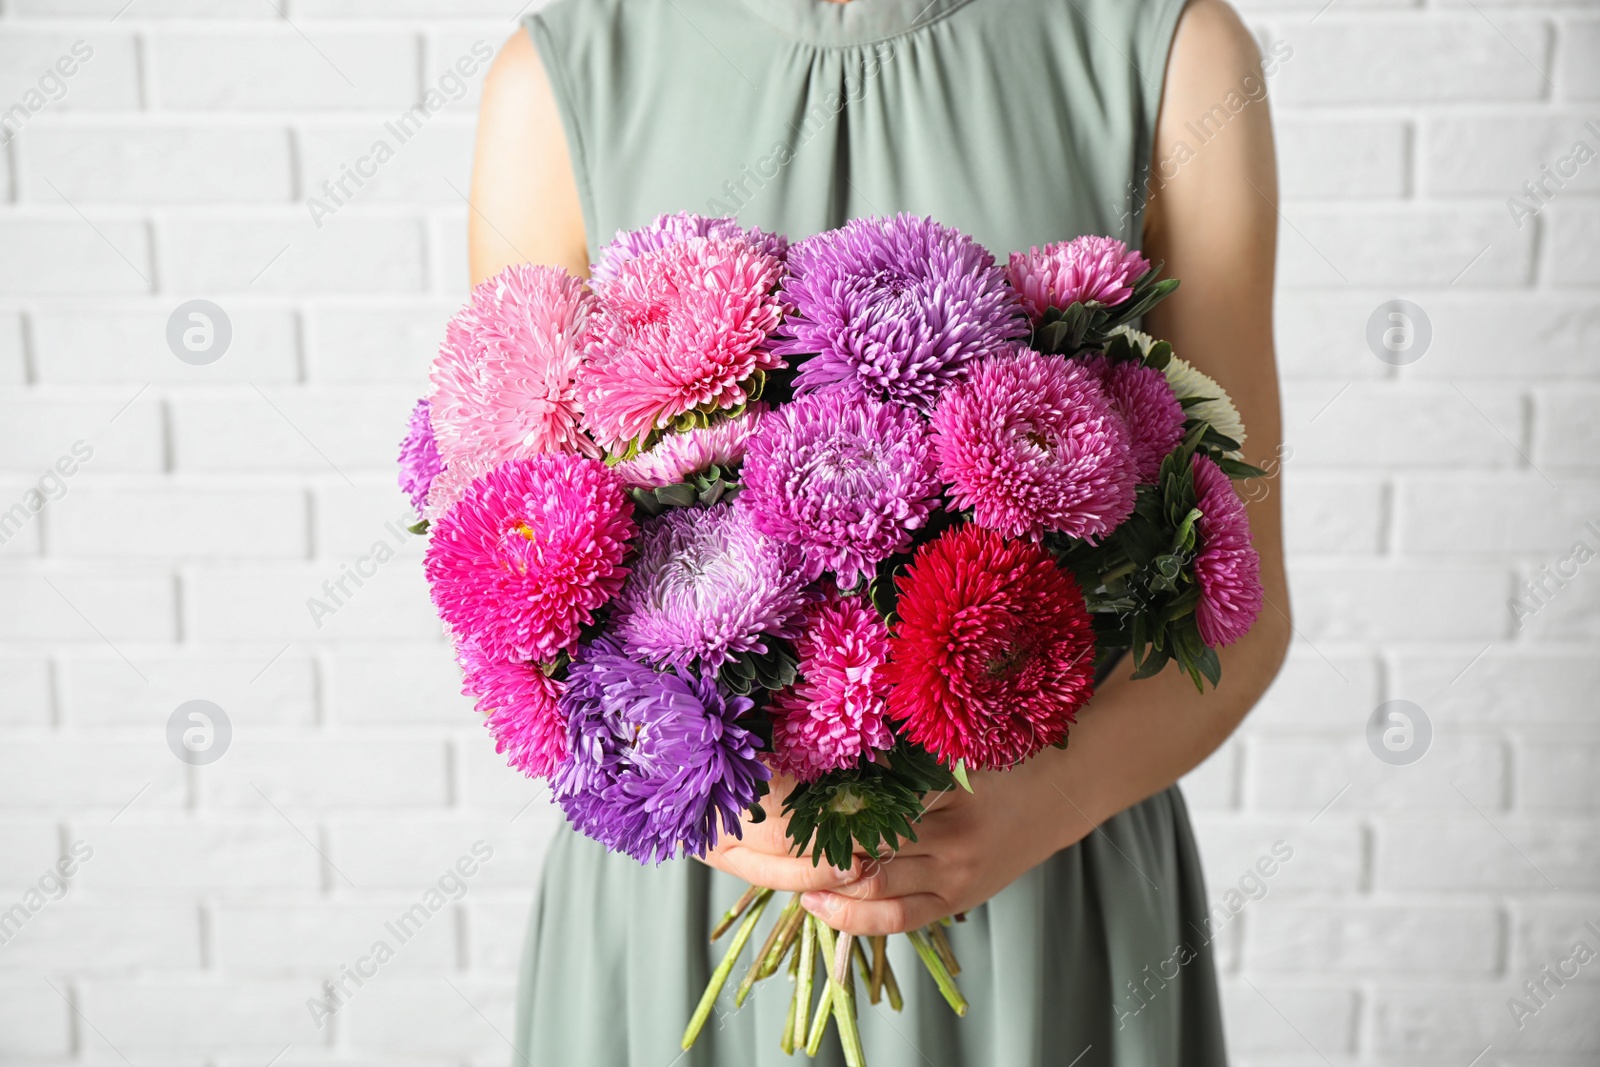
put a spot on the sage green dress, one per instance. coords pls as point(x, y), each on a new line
point(1019, 122)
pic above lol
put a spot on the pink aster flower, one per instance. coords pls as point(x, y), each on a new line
point(518, 701)
point(664, 230)
point(837, 712)
point(843, 478)
point(528, 554)
point(677, 456)
point(1089, 269)
point(504, 382)
point(1148, 408)
point(680, 328)
point(1227, 567)
point(1031, 444)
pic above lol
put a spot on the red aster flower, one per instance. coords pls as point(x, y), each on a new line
point(993, 652)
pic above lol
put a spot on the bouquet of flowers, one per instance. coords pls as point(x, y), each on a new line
point(866, 511)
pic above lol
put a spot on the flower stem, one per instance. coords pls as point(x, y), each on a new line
point(880, 959)
point(758, 966)
point(732, 915)
point(808, 965)
point(790, 928)
point(786, 1041)
point(844, 1001)
point(936, 967)
point(941, 945)
point(866, 972)
point(719, 977)
point(890, 986)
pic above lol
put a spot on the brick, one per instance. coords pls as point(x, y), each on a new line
point(451, 271)
point(259, 855)
point(195, 1013)
point(1341, 159)
point(316, 431)
point(350, 521)
point(375, 343)
point(101, 938)
point(13, 353)
point(167, 164)
point(1327, 854)
point(143, 9)
point(1412, 425)
point(399, 685)
point(76, 773)
point(339, 9)
point(426, 1016)
point(35, 1020)
point(263, 603)
point(1523, 685)
point(1418, 939)
point(1565, 611)
point(1440, 59)
point(263, 689)
point(495, 933)
point(1324, 336)
point(192, 522)
point(1555, 335)
point(1312, 692)
point(88, 608)
point(1462, 1019)
point(1496, 853)
point(120, 430)
point(487, 783)
point(67, 255)
point(1565, 432)
point(27, 850)
point(410, 854)
point(1214, 783)
point(22, 531)
point(1557, 774)
point(1413, 602)
point(1572, 259)
point(26, 694)
point(1332, 515)
point(1304, 772)
point(317, 939)
point(108, 80)
point(1445, 515)
point(280, 69)
point(1276, 1018)
point(1494, 155)
point(91, 345)
point(422, 167)
point(460, 53)
point(1580, 41)
point(1401, 249)
point(1544, 934)
point(360, 255)
point(318, 774)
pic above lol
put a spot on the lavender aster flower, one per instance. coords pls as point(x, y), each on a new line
point(895, 309)
point(419, 457)
point(657, 760)
point(707, 585)
point(845, 480)
point(670, 229)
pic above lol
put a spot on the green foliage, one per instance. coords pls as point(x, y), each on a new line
point(1067, 331)
point(773, 669)
point(705, 488)
point(875, 805)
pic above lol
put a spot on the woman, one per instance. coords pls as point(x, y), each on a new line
point(1019, 122)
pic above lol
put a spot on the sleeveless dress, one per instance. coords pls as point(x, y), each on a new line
point(1019, 122)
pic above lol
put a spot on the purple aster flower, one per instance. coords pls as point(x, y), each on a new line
point(419, 457)
point(707, 586)
point(895, 309)
point(670, 229)
point(844, 479)
point(657, 759)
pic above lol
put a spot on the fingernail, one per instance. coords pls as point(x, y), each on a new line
point(811, 901)
point(844, 875)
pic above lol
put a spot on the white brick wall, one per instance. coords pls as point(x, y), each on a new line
point(177, 563)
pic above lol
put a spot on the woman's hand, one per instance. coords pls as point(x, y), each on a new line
point(969, 847)
point(763, 856)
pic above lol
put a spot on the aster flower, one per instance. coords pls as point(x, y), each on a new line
point(844, 479)
point(1089, 270)
point(528, 554)
point(1226, 566)
point(419, 457)
point(707, 586)
point(1216, 407)
point(993, 652)
point(1031, 444)
point(835, 714)
point(679, 456)
point(659, 765)
point(664, 230)
point(518, 701)
point(1149, 411)
point(504, 379)
point(677, 330)
point(895, 309)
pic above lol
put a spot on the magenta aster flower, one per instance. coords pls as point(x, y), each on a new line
point(1148, 408)
point(837, 712)
point(1031, 444)
point(845, 479)
point(504, 382)
point(707, 586)
point(419, 457)
point(1227, 567)
point(894, 309)
point(1088, 269)
point(518, 701)
point(528, 554)
point(659, 764)
point(664, 230)
point(677, 456)
point(678, 329)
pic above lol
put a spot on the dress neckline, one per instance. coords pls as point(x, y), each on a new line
point(854, 22)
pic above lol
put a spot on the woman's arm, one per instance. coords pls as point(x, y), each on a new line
point(1214, 225)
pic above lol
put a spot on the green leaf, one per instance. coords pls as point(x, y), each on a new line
point(419, 527)
point(959, 772)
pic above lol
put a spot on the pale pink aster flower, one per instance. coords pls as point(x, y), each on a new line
point(1227, 566)
point(677, 456)
point(1088, 269)
point(664, 230)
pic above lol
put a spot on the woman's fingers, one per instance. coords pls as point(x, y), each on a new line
point(870, 918)
point(897, 875)
point(786, 874)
